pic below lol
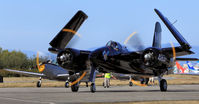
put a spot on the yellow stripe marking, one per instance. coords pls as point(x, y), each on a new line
point(80, 78)
point(72, 31)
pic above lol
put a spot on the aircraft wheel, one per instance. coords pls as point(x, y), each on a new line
point(93, 89)
point(39, 84)
point(75, 87)
point(1, 79)
point(163, 85)
point(142, 81)
point(67, 85)
point(130, 83)
point(146, 81)
point(86, 84)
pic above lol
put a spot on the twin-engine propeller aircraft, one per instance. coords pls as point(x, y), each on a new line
point(113, 57)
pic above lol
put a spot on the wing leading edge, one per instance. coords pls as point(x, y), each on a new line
point(25, 73)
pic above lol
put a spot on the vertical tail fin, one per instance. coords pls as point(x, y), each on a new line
point(157, 35)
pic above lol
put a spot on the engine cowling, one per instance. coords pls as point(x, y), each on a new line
point(67, 57)
point(153, 57)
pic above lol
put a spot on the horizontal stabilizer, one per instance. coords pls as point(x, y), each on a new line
point(187, 59)
point(185, 45)
point(66, 34)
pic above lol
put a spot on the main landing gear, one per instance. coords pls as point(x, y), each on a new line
point(39, 82)
point(162, 84)
point(75, 87)
point(92, 79)
point(130, 84)
point(66, 84)
point(130, 81)
point(93, 88)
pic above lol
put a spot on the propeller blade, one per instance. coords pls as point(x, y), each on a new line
point(129, 37)
point(39, 67)
point(174, 51)
point(134, 42)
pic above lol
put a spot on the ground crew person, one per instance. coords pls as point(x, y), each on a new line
point(107, 77)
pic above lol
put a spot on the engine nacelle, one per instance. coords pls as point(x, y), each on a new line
point(153, 57)
point(68, 57)
point(150, 56)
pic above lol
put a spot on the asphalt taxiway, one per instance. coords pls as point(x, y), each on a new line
point(113, 94)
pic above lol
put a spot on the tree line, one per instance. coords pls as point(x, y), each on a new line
point(17, 60)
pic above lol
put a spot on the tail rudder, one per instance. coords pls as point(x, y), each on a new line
point(157, 35)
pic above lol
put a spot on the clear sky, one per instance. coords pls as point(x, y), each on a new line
point(32, 24)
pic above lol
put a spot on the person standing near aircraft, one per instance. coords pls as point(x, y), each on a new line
point(107, 77)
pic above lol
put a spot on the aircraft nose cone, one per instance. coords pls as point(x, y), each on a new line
point(41, 68)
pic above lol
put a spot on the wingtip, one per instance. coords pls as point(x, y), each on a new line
point(81, 12)
point(156, 10)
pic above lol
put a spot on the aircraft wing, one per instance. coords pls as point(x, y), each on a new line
point(184, 48)
point(179, 51)
point(25, 73)
point(66, 34)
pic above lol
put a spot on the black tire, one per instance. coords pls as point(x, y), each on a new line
point(75, 87)
point(67, 85)
point(142, 81)
point(163, 85)
point(39, 84)
point(86, 84)
point(1, 79)
point(93, 89)
point(146, 81)
point(130, 83)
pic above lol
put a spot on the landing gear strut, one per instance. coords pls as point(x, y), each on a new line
point(92, 79)
point(39, 82)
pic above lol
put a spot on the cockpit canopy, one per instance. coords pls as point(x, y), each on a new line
point(114, 45)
